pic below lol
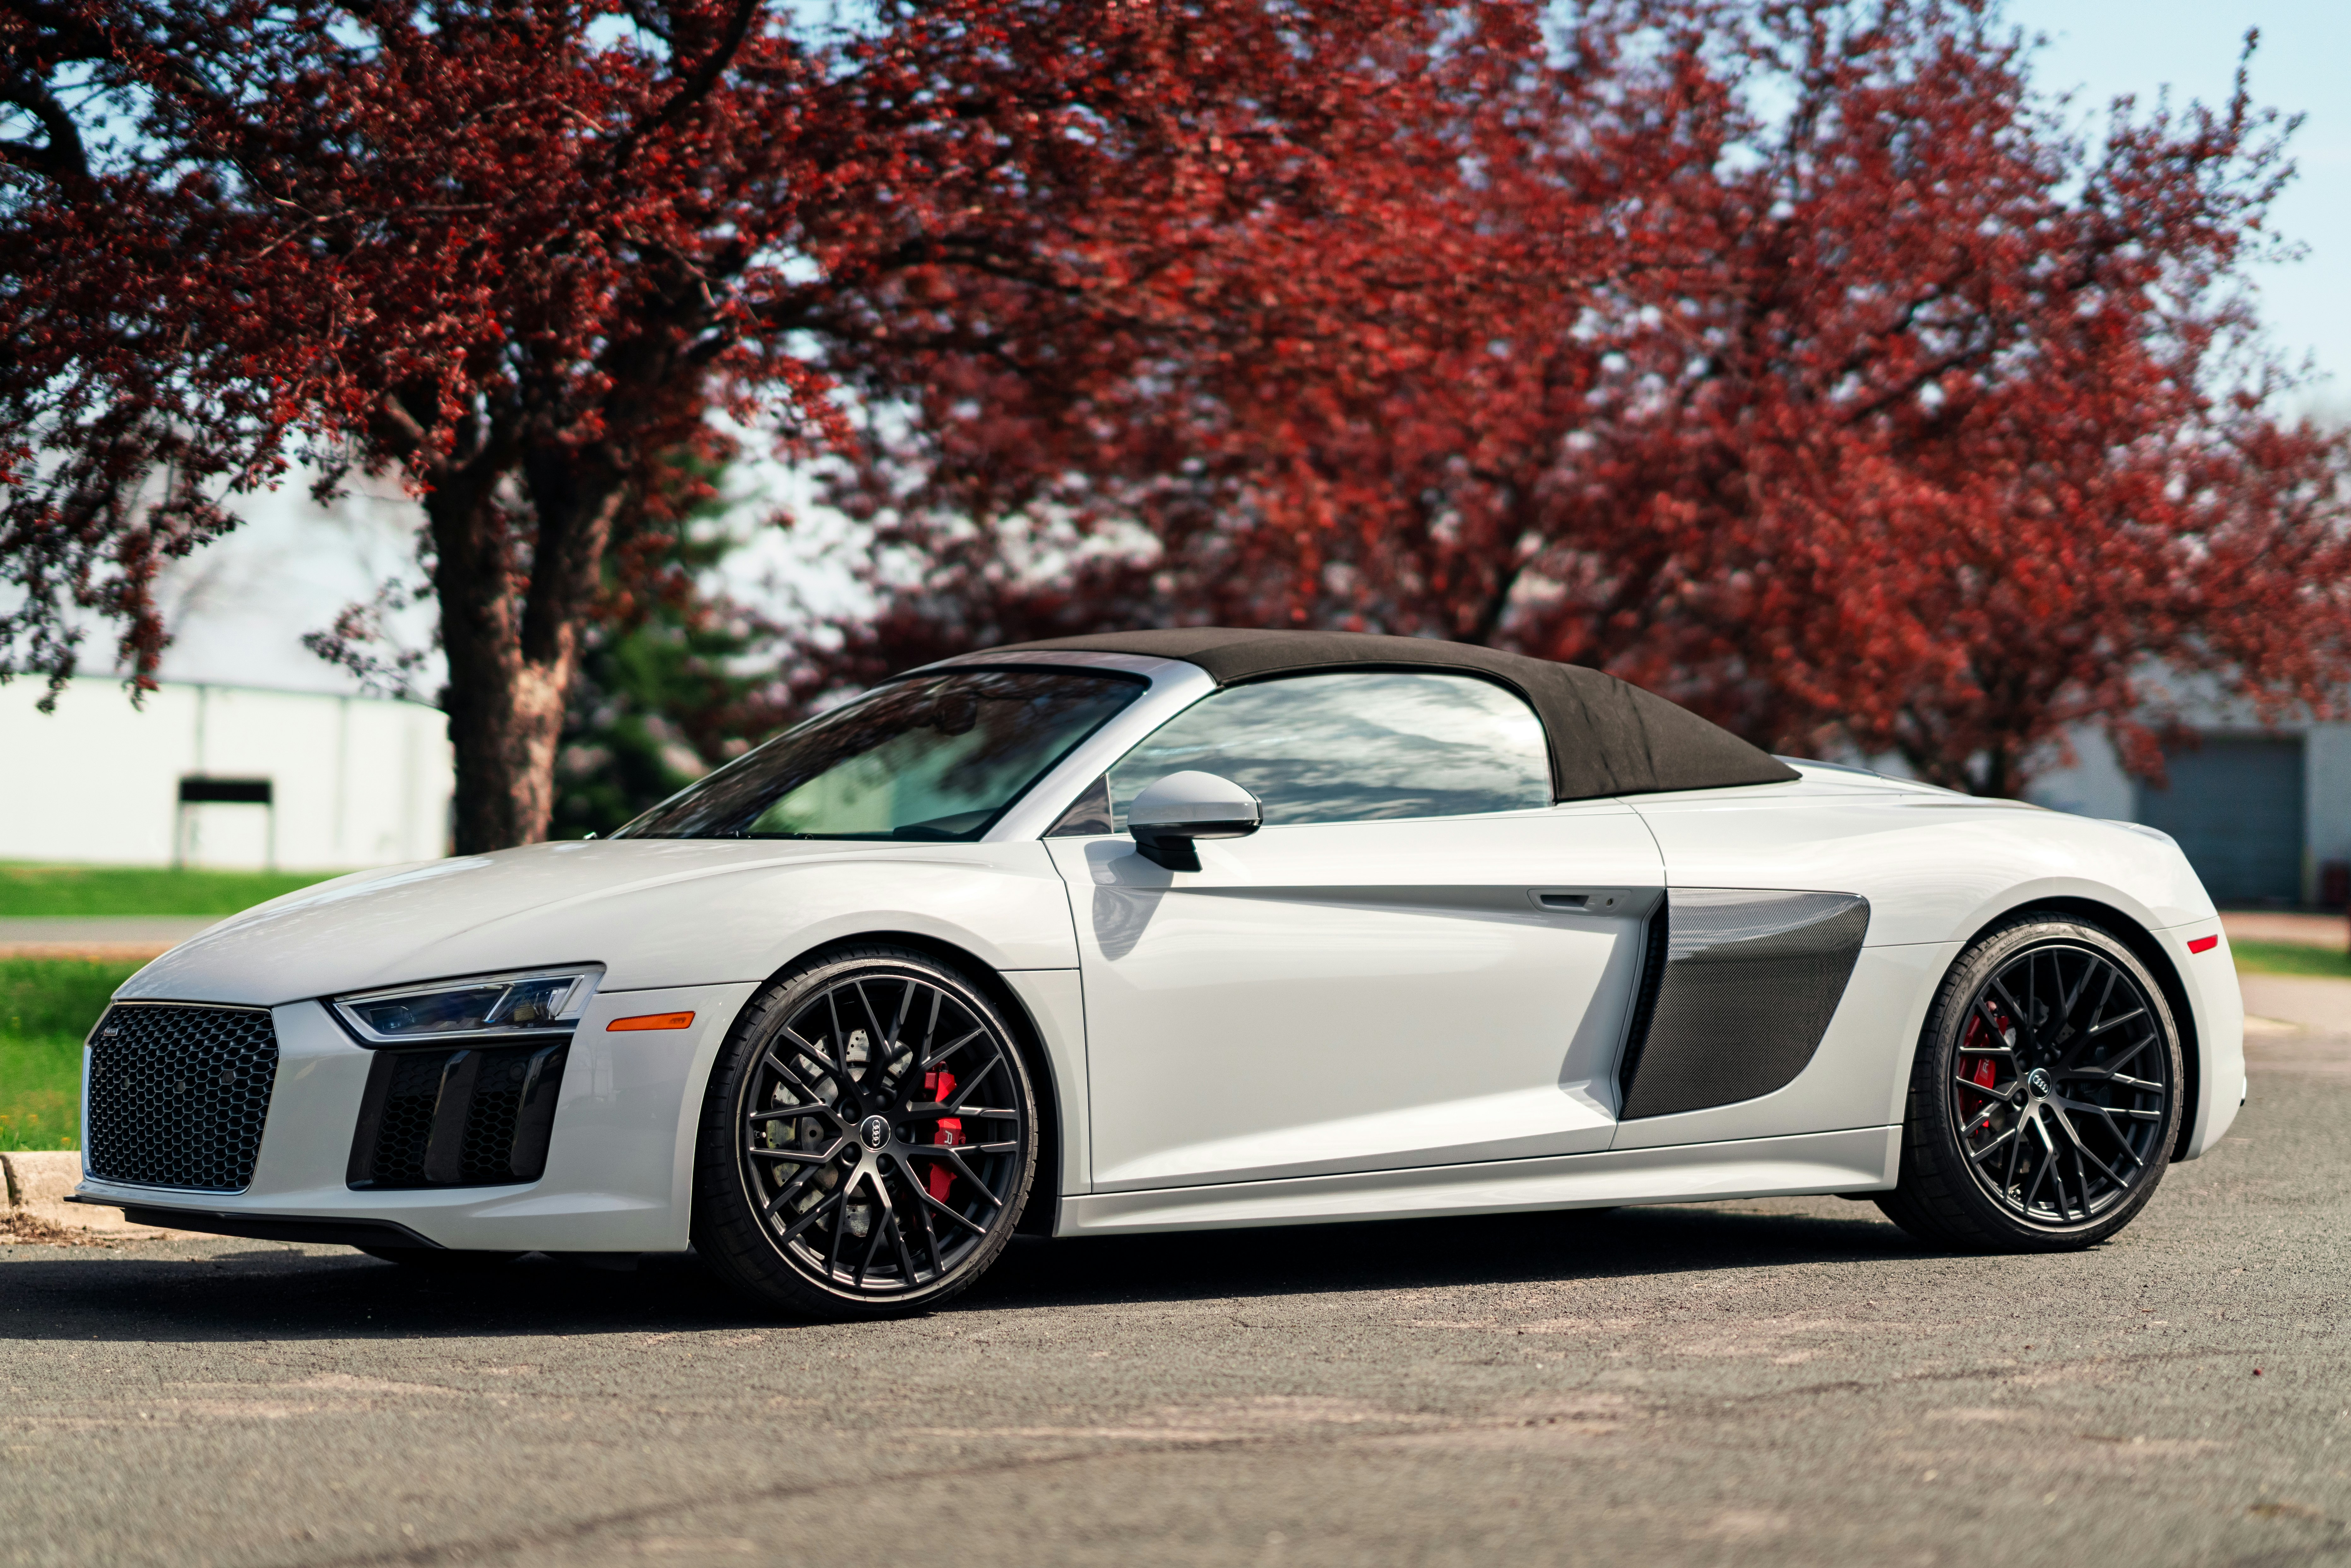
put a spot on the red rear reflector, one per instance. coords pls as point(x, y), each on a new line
point(2203, 944)
point(654, 1020)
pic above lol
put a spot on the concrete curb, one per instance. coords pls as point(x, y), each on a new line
point(37, 1183)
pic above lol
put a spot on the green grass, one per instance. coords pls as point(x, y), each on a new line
point(46, 1006)
point(50, 891)
point(40, 1093)
point(2290, 958)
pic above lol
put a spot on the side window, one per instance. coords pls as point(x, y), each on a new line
point(1355, 748)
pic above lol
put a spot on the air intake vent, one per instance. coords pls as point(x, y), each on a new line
point(475, 1117)
point(177, 1095)
point(1748, 983)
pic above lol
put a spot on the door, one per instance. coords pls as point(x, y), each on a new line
point(1417, 961)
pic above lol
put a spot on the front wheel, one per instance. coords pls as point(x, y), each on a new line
point(868, 1138)
point(2044, 1096)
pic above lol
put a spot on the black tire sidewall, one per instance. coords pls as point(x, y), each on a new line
point(1930, 1139)
point(728, 1228)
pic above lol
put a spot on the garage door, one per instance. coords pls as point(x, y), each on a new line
point(2235, 806)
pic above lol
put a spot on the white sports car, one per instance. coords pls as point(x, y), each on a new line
point(1174, 930)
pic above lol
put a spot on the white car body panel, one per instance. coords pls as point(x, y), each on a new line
point(1276, 1038)
point(1937, 868)
point(2218, 1007)
point(616, 1171)
point(1357, 996)
point(653, 912)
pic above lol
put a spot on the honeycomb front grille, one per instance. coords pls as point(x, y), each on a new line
point(177, 1095)
point(480, 1116)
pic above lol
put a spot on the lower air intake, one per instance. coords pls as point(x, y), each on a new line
point(177, 1095)
point(473, 1117)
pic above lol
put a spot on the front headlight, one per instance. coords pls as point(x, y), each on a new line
point(521, 1003)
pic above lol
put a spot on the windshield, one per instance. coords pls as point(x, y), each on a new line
point(931, 758)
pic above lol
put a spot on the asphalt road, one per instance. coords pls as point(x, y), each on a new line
point(1749, 1383)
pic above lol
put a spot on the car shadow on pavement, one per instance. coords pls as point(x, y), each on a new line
point(196, 1294)
point(1421, 1254)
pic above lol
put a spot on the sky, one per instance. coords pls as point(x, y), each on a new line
point(2100, 48)
point(239, 608)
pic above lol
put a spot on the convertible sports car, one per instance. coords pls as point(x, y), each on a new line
point(1172, 930)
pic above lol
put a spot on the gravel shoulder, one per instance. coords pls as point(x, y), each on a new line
point(1786, 1381)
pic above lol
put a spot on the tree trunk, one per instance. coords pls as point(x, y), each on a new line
point(512, 656)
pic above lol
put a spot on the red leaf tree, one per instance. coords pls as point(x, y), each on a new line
point(1790, 358)
point(524, 255)
point(1795, 360)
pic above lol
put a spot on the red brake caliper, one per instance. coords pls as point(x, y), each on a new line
point(1987, 1071)
point(939, 1178)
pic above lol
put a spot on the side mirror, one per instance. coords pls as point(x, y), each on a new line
point(1167, 817)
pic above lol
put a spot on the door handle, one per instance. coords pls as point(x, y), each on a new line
point(1623, 902)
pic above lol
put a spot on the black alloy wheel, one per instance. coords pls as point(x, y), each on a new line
point(2045, 1095)
point(868, 1139)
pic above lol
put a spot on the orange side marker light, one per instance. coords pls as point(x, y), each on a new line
point(2203, 944)
point(652, 1020)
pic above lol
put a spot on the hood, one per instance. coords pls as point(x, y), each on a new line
point(545, 903)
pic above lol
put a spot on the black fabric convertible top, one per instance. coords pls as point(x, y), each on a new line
point(1607, 737)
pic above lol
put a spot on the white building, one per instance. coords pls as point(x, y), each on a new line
point(220, 776)
point(2264, 812)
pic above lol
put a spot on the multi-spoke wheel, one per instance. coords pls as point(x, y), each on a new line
point(868, 1139)
point(2045, 1095)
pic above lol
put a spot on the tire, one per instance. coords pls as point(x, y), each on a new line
point(2044, 1096)
point(868, 1139)
point(443, 1260)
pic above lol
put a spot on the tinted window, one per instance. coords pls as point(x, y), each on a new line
point(935, 757)
point(1353, 749)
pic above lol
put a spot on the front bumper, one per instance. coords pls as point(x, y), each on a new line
point(619, 1174)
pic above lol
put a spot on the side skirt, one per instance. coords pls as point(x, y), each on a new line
point(1860, 1159)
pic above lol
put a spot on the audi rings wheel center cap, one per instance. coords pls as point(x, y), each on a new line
point(873, 1132)
point(2037, 1080)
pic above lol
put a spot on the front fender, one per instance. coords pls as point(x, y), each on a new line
point(654, 913)
point(1004, 903)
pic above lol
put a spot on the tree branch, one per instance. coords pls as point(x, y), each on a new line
point(691, 92)
point(62, 157)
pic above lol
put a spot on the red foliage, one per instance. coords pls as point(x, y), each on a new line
point(1787, 357)
point(1895, 417)
point(525, 253)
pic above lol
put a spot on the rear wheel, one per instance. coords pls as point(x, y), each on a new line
point(2046, 1094)
point(868, 1139)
